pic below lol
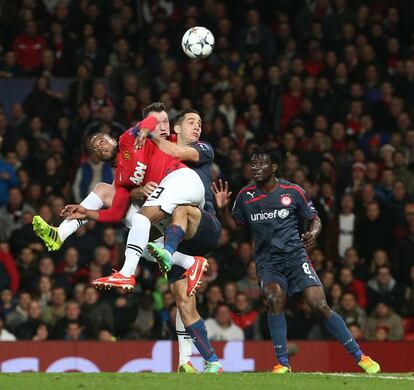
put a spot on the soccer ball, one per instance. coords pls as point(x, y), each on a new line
point(198, 42)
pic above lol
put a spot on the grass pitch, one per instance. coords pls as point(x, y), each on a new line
point(242, 381)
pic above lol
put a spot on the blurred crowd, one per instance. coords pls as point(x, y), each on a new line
point(328, 82)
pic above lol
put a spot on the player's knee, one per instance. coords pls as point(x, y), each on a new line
point(140, 220)
point(275, 298)
point(180, 211)
point(320, 307)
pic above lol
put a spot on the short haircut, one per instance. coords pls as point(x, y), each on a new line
point(178, 120)
point(274, 155)
point(154, 107)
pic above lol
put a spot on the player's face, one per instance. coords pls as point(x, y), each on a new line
point(263, 168)
point(162, 129)
point(190, 129)
point(104, 147)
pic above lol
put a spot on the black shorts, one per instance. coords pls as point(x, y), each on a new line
point(292, 278)
point(204, 242)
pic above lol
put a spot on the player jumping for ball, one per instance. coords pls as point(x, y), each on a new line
point(271, 208)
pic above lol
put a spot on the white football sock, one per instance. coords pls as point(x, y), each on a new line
point(185, 343)
point(183, 260)
point(145, 254)
point(68, 227)
point(137, 240)
point(178, 258)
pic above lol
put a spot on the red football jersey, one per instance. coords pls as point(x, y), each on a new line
point(136, 167)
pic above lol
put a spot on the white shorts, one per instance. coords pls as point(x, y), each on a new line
point(127, 221)
point(134, 208)
point(182, 186)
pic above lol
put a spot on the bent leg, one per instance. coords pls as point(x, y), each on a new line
point(335, 325)
point(193, 323)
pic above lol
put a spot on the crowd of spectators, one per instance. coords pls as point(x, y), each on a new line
point(328, 82)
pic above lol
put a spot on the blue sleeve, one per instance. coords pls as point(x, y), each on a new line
point(238, 211)
point(205, 152)
point(12, 181)
point(305, 205)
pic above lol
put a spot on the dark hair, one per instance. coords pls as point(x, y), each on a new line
point(156, 107)
point(178, 120)
point(274, 155)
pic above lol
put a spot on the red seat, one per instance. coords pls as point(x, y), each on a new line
point(408, 324)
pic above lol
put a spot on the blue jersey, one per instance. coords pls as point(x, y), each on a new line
point(203, 169)
point(273, 219)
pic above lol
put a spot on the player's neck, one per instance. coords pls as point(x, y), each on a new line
point(270, 185)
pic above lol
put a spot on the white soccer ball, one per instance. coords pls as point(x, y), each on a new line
point(198, 42)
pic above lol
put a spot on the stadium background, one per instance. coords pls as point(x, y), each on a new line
point(330, 83)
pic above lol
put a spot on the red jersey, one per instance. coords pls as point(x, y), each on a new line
point(134, 168)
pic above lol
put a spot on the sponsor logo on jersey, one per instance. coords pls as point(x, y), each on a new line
point(310, 204)
point(286, 200)
point(139, 173)
point(250, 193)
point(283, 213)
point(263, 215)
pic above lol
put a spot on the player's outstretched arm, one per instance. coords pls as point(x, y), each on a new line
point(182, 153)
point(222, 196)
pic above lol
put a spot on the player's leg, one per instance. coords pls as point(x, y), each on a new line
point(185, 346)
point(184, 224)
point(274, 293)
point(53, 237)
point(315, 298)
point(181, 187)
point(193, 323)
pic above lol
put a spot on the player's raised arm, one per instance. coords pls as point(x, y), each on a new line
point(222, 196)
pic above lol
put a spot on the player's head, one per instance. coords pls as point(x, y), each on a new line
point(265, 163)
point(103, 146)
point(159, 111)
point(187, 125)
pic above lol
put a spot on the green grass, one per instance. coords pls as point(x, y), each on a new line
point(250, 381)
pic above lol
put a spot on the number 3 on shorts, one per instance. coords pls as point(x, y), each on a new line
point(306, 269)
point(156, 193)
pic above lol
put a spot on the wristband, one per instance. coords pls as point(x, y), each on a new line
point(150, 136)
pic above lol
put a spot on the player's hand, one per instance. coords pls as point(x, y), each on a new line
point(221, 193)
point(143, 191)
point(140, 140)
point(308, 240)
point(74, 211)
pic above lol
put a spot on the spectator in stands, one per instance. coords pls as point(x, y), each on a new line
point(20, 313)
point(74, 331)
point(383, 316)
point(249, 284)
point(43, 102)
point(214, 298)
point(72, 313)
point(350, 311)
point(384, 288)
point(28, 47)
point(57, 307)
point(28, 329)
point(90, 173)
point(141, 327)
point(8, 177)
point(221, 327)
point(243, 316)
point(5, 335)
point(356, 286)
point(97, 312)
point(9, 276)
